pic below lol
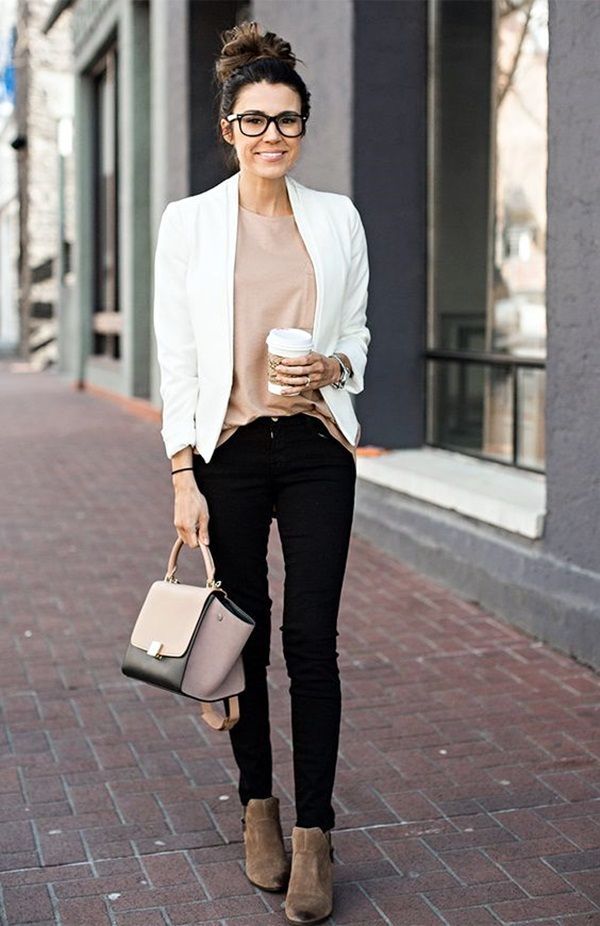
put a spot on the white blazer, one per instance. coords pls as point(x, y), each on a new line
point(193, 304)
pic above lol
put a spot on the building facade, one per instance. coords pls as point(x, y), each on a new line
point(9, 190)
point(465, 132)
point(36, 179)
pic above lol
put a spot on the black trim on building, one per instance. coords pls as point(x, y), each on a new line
point(389, 189)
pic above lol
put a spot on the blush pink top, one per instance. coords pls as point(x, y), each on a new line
point(274, 287)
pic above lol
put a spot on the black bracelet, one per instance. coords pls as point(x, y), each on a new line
point(183, 468)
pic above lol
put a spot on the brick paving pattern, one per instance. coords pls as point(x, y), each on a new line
point(468, 787)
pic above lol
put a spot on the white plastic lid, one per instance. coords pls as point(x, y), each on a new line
point(296, 339)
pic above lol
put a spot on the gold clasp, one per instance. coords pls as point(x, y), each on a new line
point(154, 649)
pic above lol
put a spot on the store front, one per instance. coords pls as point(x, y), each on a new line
point(466, 133)
point(474, 387)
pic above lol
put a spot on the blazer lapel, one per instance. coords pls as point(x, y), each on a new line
point(301, 209)
point(232, 205)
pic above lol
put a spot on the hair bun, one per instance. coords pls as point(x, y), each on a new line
point(245, 43)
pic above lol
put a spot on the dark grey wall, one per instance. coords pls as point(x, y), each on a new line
point(389, 187)
point(573, 373)
point(206, 21)
point(549, 588)
point(320, 34)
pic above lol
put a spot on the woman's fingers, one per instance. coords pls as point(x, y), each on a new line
point(299, 368)
point(189, 535)
point(191, 518)
point(202, 520)
point(203, 530)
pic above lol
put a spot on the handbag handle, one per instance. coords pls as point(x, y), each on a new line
point(208, 563)
point(209, 714)
point(215, 720)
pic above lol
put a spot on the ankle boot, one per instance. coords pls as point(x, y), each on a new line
point(267, 865)
point(310, 891)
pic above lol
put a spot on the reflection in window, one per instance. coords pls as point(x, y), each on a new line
point(462, 394)
point(487, 228)
point(107, 319)
point(519, 304)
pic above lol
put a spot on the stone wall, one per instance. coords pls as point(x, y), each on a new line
point(45, 95)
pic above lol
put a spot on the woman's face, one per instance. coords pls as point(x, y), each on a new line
point(270, 99)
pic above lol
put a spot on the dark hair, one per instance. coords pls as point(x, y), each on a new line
point(248, 57)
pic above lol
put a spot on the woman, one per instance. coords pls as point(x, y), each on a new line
point(258, 251)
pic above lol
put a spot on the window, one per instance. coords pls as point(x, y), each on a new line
point(487, 228)
point(106, 322)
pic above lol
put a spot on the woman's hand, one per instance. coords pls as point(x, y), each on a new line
point(191, 511)
point(293, 371)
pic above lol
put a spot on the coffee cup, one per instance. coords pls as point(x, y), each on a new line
point(285, 342)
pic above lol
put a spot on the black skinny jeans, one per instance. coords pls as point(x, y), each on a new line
point(291, 462)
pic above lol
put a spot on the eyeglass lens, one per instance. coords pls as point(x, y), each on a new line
point(255, 123)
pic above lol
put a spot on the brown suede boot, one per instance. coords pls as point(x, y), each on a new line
point(267, 865)
point(310, 891)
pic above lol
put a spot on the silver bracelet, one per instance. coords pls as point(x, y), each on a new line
point(345, 372)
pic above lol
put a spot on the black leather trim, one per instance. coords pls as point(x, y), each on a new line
point(168, 671)
point(235, 609)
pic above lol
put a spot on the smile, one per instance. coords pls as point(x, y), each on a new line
point(271, 155)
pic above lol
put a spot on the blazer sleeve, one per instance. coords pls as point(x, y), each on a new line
point(356, 337)
point(175, 342)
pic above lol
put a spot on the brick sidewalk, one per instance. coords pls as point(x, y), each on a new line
point(468, 786)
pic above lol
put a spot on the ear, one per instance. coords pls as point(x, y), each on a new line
point(227, 131)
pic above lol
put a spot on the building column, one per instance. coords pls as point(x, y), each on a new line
point(169, 122)
point(80, 326)
point(134, 184)
point(390, 189)
point(573, 369)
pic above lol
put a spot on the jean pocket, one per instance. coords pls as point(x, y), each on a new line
point(316, 425)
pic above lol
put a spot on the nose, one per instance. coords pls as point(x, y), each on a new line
point(272, 133)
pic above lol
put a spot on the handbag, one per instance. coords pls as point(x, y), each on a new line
point(189, 639)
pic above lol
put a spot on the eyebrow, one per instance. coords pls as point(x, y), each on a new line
point(249, 112)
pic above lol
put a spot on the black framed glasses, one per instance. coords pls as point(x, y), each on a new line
point(255, 122)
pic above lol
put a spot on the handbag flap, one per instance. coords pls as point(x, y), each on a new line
point(168, 617)
point(219, 642)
